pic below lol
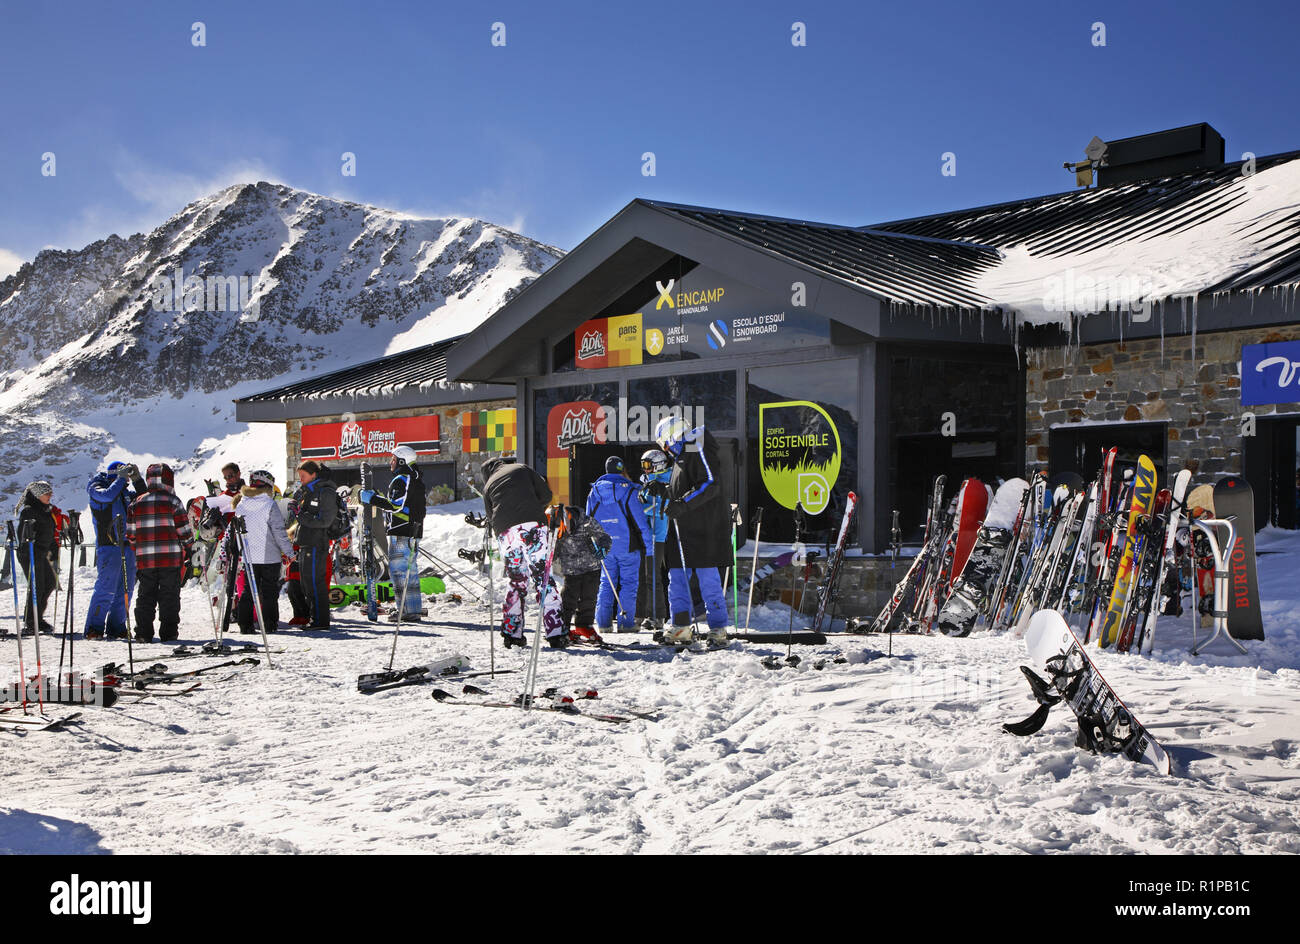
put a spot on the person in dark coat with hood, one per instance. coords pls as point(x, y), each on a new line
point(111, 493)
point(699, 514)
point(36, 524)
point(514, 500)
point(317, 504)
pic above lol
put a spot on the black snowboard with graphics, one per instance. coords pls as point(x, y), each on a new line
point(1233, 498)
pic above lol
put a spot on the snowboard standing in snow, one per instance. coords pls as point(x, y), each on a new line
point(971, 590)
point(1234, 500)
point(1105, 723)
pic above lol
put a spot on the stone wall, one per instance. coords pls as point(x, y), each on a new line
point(865, 586)
point(1197, 393)
point(449, 425)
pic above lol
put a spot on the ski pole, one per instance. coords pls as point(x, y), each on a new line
point(240, 527)
point(26, 534)
point(12, 549)
point(735, 567)
point(686, 578)
point(530, 677)
point(411, 559)
point(753, 567)
point(491, 603)
point(798, 530)
point(618, 603)
point(122, 547)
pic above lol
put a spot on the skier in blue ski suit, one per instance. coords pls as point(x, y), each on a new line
point(111, 494)
point(613, 502)
point(656, 468)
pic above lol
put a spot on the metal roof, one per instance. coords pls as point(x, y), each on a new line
point(904, 268)
point(1079, 220)
point(417, 377)
point(425, 366)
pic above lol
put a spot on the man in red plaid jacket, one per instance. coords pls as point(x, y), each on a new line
point(158, 528)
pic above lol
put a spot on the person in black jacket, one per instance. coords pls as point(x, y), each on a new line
point(699, 530)
point(34, 514)
point(317, 506)
point(515, 499)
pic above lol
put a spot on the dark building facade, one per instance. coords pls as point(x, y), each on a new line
point(828, 358)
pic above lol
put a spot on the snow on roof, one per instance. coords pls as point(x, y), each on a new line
point(1227, 236)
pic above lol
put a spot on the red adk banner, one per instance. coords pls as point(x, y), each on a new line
point(361, 440)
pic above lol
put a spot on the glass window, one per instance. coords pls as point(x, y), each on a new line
point(802, 427)
point(710, 396)
point(984, 398)
point(564, 416)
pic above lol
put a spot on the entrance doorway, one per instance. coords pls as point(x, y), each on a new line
point(1271, 462)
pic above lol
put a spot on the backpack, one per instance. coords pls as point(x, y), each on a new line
point(342, 523)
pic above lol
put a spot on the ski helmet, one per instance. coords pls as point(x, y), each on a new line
point(614, 466)
point(654, 460)
point(261, 477)
point(405, 455)
point(670, 434)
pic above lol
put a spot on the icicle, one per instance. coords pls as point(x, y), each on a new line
point(1194, 364)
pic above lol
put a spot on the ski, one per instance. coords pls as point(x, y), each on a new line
point(368, 549)
point(572, 711)
point(830, 586)
point(372, 682)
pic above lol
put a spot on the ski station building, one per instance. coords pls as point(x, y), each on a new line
point(1153, 308)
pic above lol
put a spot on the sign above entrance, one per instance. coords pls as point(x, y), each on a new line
point(609, 342)
point(1270, 373)
point(366, 438)
point(697, 315)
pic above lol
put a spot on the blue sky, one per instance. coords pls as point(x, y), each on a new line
point(546, 133)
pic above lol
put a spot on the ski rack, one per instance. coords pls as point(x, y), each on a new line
point(1221, 573)
point(469, 584)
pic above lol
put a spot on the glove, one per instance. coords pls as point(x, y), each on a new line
point(675, 509)
point(600, 551)
point(127, 471)
point(367, 496)
point(657, 489)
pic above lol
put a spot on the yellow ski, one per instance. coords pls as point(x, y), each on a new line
point(1144, 491)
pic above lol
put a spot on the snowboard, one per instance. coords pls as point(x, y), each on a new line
point(343, 594)
point(1200, 504)
point(970, 590)
point(1105, 723)
point(1234, 499)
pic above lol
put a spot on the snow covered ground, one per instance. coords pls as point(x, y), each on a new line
point(881, 753)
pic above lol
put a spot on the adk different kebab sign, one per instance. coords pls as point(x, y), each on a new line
point(362, 439)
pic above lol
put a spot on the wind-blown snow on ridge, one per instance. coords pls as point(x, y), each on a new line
point(334, 283)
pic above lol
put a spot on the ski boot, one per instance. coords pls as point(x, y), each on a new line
point(717, 638)
point(513, 641)
point(559, 641)
point(585, 634)
point(678, 635)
